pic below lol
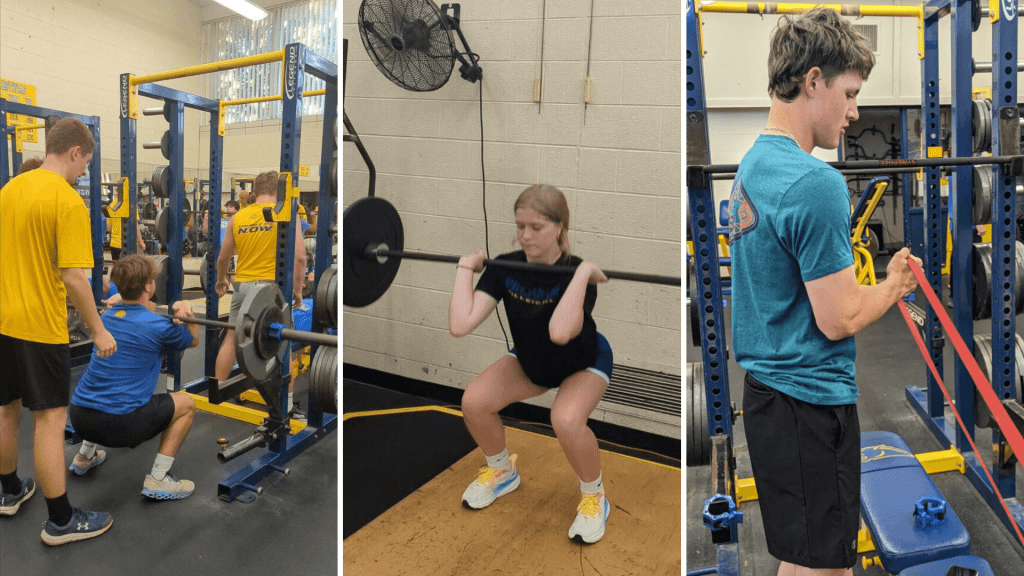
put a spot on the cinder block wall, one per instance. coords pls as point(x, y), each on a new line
point(618, 163)
point(75, 52)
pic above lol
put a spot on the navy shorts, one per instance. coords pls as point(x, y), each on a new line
point(602, 366)
point(39, 374)
point(123, 430)
point(806, 463)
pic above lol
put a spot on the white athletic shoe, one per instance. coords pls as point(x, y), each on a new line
point(591, 518)
point(490, 485)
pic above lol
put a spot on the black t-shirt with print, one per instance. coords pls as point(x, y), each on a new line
point(530, 300)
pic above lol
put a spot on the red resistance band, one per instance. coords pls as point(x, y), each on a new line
point(1006, 425)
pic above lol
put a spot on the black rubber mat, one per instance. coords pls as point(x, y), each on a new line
point(388, 457)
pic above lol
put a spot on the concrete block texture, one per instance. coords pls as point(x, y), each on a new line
point(618, 164)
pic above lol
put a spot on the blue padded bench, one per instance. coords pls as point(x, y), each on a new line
point(892, 481)
point(973, 564)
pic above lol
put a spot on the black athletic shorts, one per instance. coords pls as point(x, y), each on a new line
point(806, 462)
point(123, 430)
point(39, 374)
point(115, 253)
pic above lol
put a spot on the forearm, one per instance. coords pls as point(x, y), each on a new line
point(567, 320)
point(460, 309)
point(864, 307)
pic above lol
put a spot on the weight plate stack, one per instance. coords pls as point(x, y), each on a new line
point(983, 355)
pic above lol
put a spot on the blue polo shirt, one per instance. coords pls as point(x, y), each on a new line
point(789, 218)
point(125, 381)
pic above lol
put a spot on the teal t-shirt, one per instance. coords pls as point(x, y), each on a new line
point(789, 216)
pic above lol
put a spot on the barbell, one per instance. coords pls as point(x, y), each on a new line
point(373, 250)
point(262, 330)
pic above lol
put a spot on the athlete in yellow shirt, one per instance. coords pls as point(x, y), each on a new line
point(45, 242)
point(255, 240)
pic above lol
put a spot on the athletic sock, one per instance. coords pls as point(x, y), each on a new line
point(60, 510)
point(161, 466)
point(595, 487)
point(500, 461)
point(10, 483)
point(290, 403)
point(88, 450)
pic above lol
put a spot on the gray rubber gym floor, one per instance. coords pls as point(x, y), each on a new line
point(291, 529)
point(888, 360)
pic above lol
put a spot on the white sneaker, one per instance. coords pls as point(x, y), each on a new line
point(591, 518)
point(167, 489)
point(490, 485)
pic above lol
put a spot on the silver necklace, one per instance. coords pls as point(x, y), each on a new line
point(784, 132)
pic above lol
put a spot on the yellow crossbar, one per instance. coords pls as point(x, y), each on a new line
point(268, 98)
point(787, 8)
point(233, 63)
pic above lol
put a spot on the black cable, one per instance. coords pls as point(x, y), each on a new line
point(483, 181)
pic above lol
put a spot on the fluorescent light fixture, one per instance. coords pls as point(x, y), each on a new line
point(245, 8)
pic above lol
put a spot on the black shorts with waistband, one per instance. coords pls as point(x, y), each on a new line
point(806, 463)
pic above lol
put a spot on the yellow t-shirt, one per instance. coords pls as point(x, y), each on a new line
point(255, 243)
point(44, 226)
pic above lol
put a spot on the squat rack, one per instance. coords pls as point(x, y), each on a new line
point(929, 403)
point(296, 61)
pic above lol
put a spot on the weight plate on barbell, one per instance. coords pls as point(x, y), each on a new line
point(983, 355)
point(323, 379)
point(324, 313)
point(698, 438)
point(369, 221)
point(256, 352)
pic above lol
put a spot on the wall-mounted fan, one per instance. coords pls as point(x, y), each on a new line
point(411, 42)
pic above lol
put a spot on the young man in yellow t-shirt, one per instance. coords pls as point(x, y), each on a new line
point(46, 242)
point(256, 243)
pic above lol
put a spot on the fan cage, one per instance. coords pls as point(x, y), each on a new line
point(409, 41)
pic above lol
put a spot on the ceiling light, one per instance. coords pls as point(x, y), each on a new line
point(245, 8)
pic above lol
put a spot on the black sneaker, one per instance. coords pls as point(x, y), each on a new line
point(9, 503)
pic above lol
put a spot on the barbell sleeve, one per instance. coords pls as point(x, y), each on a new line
point(377, 251)
point(257, 440)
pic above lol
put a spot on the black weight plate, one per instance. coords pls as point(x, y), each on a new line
point(323, 379)
point(366, 222)
point(694, 303)
point(977, 126)
point(983, 355)
point(982, 281)
point(1019, 279)
point(149, 211)
point(981, 210)
point(161, 182)
point(325, 309)
point(161, 225)
point(334, 175)
point(698, 439)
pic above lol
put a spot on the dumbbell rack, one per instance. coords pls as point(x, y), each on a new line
point(928, 402)
point(297, 61)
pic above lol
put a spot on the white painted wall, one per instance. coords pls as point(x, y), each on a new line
point(620, 171)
